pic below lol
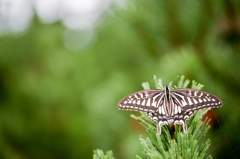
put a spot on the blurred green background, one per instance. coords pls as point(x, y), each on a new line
point(60, 83)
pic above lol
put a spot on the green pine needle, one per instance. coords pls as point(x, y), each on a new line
point(99, 154)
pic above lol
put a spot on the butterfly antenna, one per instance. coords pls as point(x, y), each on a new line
point(158, 84)
point(175, 78)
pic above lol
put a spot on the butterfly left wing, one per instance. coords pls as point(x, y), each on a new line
point(144, 101)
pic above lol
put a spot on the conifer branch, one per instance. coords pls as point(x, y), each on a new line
point(99, 154)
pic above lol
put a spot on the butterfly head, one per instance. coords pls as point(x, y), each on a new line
point(167, 89)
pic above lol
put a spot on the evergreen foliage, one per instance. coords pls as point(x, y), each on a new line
point(99, 154)
point(172, 144)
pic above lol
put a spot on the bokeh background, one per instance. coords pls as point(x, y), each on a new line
point(65, 64)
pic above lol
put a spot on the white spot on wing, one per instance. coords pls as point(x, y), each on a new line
point(143, 103)
point(189, 100)
point(179, 109)
point(200, 100)
point(148, 102)
point(154, 103)
point(190, 93)
point(195, 101)
point(163, 112)
point(213, 99)
point(195, 93)
point(176, 109)
point(138, 102)
point(184, 102)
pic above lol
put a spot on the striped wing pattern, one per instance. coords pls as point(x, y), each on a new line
point(173, 107)
point(144, 101)
point(192, 99)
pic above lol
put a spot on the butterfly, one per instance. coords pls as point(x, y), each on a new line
point(169, 106)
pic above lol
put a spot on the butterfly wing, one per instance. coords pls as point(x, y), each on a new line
point(144, 101)
point(186, 101)
point(192, 99)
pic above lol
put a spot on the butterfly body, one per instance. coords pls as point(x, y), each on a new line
point(169, 106)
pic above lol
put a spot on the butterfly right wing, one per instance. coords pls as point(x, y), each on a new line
point(144, 101)
point(192, 99)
